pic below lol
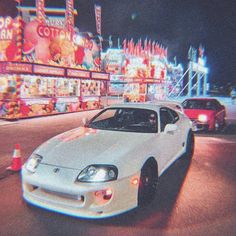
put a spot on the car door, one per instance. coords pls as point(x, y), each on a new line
point(171, 142)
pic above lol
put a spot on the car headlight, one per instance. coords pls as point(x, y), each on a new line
point(202, 118)
point(33, 162)
point(98, 173)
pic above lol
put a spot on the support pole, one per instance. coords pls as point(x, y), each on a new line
point(205, 85)
point(19, 34)
point(40, 11)
point(70, 15)
point(190, 75)
point(199, 84)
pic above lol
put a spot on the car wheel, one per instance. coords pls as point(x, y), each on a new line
point(147, 183)
point(223, 123)
point(189, 146)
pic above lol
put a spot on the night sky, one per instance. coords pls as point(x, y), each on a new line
point(176, 24)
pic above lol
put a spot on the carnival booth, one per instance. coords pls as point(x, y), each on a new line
point(138, 71)
point(33, 90)
point(46, 65)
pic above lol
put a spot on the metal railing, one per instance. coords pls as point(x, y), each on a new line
point(186, 85)
point(180, 80)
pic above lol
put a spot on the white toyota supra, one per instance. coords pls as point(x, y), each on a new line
point(110, 165)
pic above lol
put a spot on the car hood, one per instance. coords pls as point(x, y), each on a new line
point(194, 113)
point(85, 146)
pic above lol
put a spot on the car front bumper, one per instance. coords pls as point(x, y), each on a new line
point(79, 199)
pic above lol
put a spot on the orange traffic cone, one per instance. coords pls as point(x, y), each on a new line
point(16, 159)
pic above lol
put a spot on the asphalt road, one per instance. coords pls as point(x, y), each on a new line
point(193, 198)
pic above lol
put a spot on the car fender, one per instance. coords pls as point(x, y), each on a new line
point(134, 160)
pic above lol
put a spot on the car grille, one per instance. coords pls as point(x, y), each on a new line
point(64, 195)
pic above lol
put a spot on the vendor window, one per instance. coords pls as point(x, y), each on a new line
point(62, 87)
point(74, 87)
point(33, 87)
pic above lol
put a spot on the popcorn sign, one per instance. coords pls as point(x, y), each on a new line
point(6, 30)
point(8, 39)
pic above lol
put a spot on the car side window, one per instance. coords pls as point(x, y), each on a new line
point(218, 106)
point(175, 115)
point(210, 105)
point(167, 116)
point(185, 104)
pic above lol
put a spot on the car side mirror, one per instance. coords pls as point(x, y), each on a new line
point(170, 128)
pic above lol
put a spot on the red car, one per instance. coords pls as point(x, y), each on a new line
point(206, 113)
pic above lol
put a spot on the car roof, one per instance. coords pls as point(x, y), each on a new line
point(177, 106)
point(201, 99)
point(150, 105)
point(135, 105)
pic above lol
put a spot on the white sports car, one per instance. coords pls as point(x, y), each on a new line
point(110, 165)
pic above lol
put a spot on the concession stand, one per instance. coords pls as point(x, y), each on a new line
point(46, 65)
point(140, 71)
point(33, 89)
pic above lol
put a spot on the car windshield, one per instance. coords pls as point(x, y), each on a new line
point(199, 104)
point(125, 119)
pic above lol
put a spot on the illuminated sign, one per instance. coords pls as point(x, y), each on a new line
point(6, 33)
point(98, 10)
point(192, 54)
point(51, 32)
point(201, 61)
point(12, 67)
point(96, 75)
point(39, 69)
point(199, 68)
point(78, 73)
point(55, 22)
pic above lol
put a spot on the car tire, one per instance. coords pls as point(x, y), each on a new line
point(223, 124)
point(147, 183)
point(219, 127)
point(189, 146)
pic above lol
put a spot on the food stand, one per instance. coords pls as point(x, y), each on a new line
point(33, 90)
point(46, 65)
point(139, 72)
